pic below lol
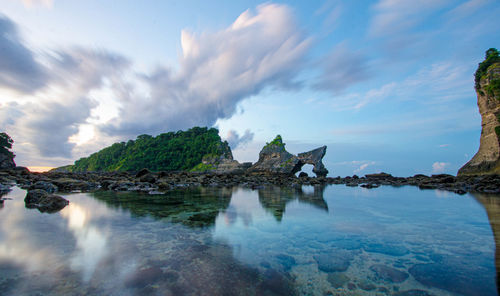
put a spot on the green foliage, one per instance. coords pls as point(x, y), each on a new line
point(497, 129)
point(278, 141)
point(492, 56)
point(171, 151)
point(493, 88)
point(201, 167)
point(6, 144)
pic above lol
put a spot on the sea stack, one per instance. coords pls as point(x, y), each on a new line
point(487, 79)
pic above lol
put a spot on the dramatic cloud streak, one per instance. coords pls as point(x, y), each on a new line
point(18, 68)
point(235, 140)
point(217, 71)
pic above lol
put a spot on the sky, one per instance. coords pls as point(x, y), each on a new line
point(387, 85)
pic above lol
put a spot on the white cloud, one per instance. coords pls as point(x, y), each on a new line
point(217, 71)
point(235, 140)
point(34, 3)
point(439, 167)
point(467, 8)
point(397, 16)
point(341, 68)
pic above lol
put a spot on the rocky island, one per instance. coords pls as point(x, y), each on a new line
point(487, 85)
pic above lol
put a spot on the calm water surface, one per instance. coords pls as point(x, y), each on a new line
point(331, 240)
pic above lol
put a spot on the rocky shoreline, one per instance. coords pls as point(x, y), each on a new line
point(159, 182)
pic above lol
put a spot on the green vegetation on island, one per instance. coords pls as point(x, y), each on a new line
point(6, 144)
point(491, 59)
point(278, 141)
point(173, 151)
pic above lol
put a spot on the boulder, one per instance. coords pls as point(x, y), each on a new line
point(274, 158)
point(487, 159)
point(44, 202)
point(47, 186)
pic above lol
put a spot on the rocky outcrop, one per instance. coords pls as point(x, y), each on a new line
point(6, 162)
point(315, 158)
point(44, 201)
point(223, 163)
point(274, 158)
point(487, 159)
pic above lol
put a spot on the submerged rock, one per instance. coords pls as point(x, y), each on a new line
point(337, 279)
point(339, 260)
point(44, 202)
point(389, 274)
point(453, 278)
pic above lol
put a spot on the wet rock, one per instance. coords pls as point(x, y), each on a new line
point(148, 178)
point(303, 175)
point(47, 186)
point(370, 185)
point(389, 274)
point(339, 260)
point(337, 280)
point(70, 184)
point(142, 172)
point(4, 188)
point(44, 202)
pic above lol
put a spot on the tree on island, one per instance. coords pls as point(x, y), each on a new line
point(6, 144)
point(491, 57)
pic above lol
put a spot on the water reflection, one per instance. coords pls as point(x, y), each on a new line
point(491, 204)
point(272, 241)
point(275, 199)
point(90, 241)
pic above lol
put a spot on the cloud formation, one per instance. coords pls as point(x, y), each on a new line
point(41, 123)
point(397, 16)
point(439, 167)
point(217, 71)
point(18, 68)
point(235, 140)
point(341, 69)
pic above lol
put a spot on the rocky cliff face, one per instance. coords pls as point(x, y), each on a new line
point(487, 159)
point(274, 158)
point(6, 162)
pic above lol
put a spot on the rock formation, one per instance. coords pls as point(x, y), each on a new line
point(274, 158)
point(44, 201)
point(223, 163)
point(6, 162)
point(487, 159)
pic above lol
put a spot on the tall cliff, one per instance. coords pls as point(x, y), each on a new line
point(487, 159)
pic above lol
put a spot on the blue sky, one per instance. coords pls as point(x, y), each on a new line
point(387, 85)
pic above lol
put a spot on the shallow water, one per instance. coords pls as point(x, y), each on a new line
point(332, 240)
